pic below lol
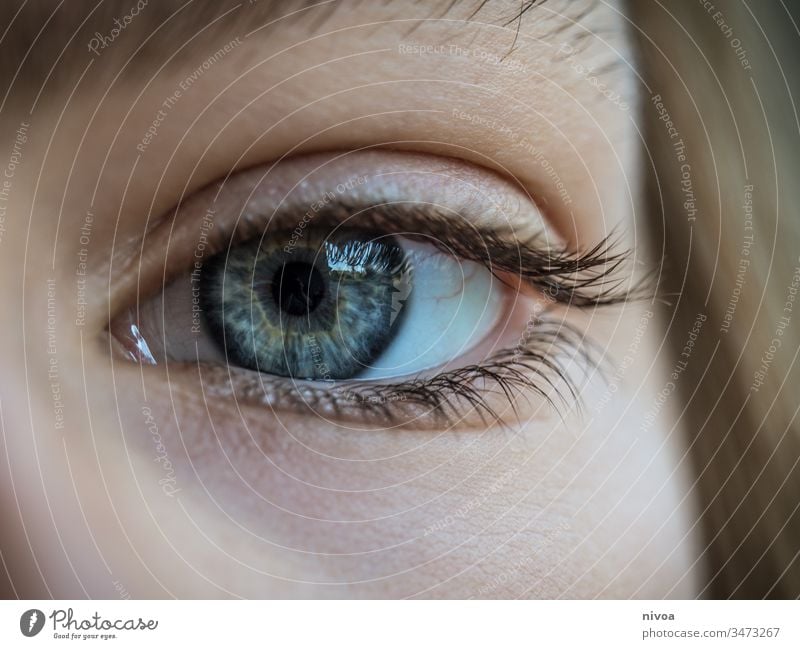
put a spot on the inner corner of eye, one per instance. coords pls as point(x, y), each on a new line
point(320, 305)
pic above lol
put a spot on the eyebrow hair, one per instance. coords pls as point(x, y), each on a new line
point(45, 46)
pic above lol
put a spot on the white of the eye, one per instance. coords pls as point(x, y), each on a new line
point(453, 305)
point(174, 327)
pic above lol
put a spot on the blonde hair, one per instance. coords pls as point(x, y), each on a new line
point(725, 219)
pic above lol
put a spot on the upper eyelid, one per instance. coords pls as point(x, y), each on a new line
point(524, 243)
point(240, 197)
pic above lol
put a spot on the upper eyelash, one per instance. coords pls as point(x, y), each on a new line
point(579, 278)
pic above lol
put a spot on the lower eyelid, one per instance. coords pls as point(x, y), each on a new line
point(359, 407)
point(463, 404)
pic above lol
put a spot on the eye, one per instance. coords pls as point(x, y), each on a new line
point(326, 306)
point(369, 278)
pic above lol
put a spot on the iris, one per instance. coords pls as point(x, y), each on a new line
point(325, 308)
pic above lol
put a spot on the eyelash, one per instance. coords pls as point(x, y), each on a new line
point(513, 372)
point(584, 280)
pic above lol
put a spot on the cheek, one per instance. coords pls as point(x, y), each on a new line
point(198, 496)
point(366, 513)
point(266, 500)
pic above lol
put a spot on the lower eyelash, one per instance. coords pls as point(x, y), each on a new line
point(534, 367)
point(460, 396)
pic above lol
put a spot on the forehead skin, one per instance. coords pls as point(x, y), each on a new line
point(558, 508)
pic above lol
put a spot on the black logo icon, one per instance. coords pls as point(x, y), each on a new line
point(31, 622)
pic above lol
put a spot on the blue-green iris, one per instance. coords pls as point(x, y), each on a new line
point(321, 308)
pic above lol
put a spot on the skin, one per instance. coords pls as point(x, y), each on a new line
point(273, 503)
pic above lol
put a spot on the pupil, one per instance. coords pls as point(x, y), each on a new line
point(298, 288)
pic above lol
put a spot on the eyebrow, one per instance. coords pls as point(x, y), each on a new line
point(46, 45)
